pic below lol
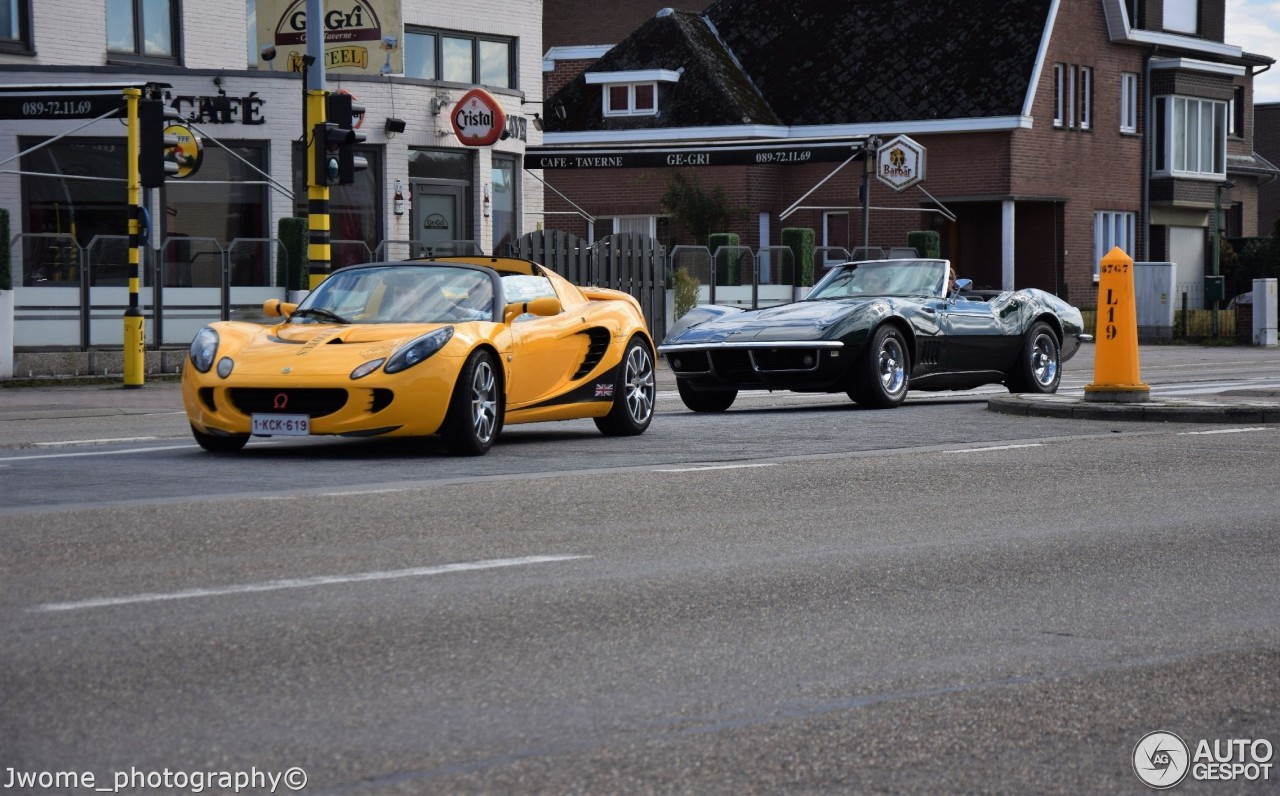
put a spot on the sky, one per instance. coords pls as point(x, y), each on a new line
point(1254, 25)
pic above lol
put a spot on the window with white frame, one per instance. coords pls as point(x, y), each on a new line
point(631, 99)
point(1182, 16)
point(1235, 113)
point(1059, 95)
point(1086, 97)
point(1111, 228)
point(1128, 102)
point(1191, 137)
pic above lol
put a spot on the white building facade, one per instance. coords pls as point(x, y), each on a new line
point(213, 236)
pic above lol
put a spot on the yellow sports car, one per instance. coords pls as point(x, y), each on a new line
point(455, 346)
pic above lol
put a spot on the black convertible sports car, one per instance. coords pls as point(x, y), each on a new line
point(874, 329)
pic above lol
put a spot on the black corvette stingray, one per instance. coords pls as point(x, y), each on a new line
point(875, 329)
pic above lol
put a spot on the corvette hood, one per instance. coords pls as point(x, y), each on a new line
point(802, 320)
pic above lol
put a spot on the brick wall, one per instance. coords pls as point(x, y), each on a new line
point(1266, 142)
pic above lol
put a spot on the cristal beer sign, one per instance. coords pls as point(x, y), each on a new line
point(478, 118)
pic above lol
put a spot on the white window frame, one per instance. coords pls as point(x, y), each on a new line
point(1086, 98)
point(1195, 144)
point(1070, 100)
point(634, 224)
point(1059, 116)
point(631, 109)
point(1182, 16)
point(1112, 228)
point(1128, 102)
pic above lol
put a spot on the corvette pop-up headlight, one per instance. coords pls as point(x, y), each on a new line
point(204, 346)
point(418, 349)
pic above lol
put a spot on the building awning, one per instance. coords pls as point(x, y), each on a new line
point(758, 152)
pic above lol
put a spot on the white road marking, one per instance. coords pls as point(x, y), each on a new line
point(91, 441)
point(995, 448)
point(1224, 431)
point(301, 583)
point(712, 467)
point(94, 453)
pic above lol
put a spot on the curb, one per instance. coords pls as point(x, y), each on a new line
point(1155, 410)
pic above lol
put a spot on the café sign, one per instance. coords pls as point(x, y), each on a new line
point(478, 118)
point(900, 163)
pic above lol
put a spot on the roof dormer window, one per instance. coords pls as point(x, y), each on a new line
point(631, 93)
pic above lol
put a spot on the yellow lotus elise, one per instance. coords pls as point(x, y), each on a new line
point(455, 346)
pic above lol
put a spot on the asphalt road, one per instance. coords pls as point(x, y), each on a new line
point(799, 596)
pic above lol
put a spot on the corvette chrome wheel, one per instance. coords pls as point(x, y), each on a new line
point(634, 393)
point(881, 377)
point(1039, 364)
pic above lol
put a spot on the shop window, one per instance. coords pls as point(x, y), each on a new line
point(456, 57)
point(146, 30)
point(355, 210)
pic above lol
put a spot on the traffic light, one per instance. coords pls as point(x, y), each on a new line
point(154, 147)
point(341, 110)
point(329, 140)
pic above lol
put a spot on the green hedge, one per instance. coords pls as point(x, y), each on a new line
point(926, 242)
point(293, 237)
point(726, 263)
point(801, 242)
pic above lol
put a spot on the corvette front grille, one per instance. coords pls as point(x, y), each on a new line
point(732, 363)
point(306, 401)
point(780, 359)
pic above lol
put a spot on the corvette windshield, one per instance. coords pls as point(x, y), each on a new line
point(399, 294)
point(883, 278)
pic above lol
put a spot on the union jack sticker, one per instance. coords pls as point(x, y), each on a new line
point(604, 390)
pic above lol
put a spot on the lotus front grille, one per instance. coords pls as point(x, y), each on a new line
point(316, 402)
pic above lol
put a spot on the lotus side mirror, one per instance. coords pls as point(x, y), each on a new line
point(275, 308)
point(543, 307)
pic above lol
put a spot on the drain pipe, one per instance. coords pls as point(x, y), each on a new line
point(1147, 143)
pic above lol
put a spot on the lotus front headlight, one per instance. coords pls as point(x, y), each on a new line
point(204, 346)
point(418, 349)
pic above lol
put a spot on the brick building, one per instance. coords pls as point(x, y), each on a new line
point(1266, 118)
point(1053, 130)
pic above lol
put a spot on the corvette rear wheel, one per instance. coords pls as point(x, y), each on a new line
point(882, 374)
point(706, 400)
point(475, 410)
point(633, 394)
point(215, 443)
point(1039, 368)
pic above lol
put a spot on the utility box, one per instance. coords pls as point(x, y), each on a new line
point(1264, 312)
point(1214, 288)
point(1154, 287)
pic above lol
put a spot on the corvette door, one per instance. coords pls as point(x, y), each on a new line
point(973, 337)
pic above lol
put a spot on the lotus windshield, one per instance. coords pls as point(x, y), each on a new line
point(400, 294)
point(883, 278)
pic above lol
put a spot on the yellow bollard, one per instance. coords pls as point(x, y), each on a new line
point(135, 348)
point(1115, 364)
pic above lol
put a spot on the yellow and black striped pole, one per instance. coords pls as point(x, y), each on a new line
point(135, 352)
point(317, 194)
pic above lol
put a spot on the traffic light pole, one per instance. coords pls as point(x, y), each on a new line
point(317, 190)
point(134, 339)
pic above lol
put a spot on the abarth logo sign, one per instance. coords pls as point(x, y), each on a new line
point(900, 163)
point(478, 118)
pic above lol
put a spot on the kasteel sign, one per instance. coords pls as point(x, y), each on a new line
point(900, 163)
point(352, 29)
point(478, 118)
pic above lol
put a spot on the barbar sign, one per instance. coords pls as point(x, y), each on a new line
point(900, 163)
